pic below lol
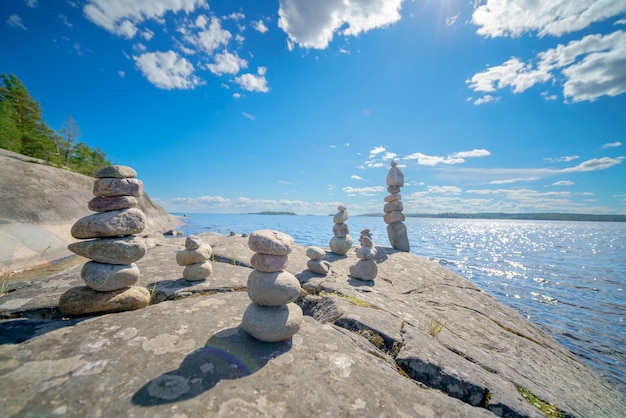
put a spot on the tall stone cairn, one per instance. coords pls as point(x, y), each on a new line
point(195, 257)
point(341, 242)
point(394, 218)
point(366, 268)
point(109, 242)
point(272, 316)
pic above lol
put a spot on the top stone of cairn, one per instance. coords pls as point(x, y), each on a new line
point(116, 171)
point(395, 177)
point(268, 241)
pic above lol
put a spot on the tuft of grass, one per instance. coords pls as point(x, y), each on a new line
point(4, 288)
point(435, 326)
point(548, 409)
point(351, 299)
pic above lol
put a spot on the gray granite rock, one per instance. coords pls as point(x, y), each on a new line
point(365, 253)
point(393, 189)
point(269, 263)
point(105, 204)
point(193, 242)
point(340, 230)
point(393, 197)
point(271, 242)
point(197, 271)
point(105, 187)
point(272, 323)
point(108, 277)
point(340, 217)
point(273, 289)
point(398, 236)
point(185, 257)
point(118, 250)
point(83, 300)
point(366, 269)
point(110, 224)
point(393, 217)
point(395, 177)
point(318, 266)
point(116, 171)
point(340, 246)
point(315, 253)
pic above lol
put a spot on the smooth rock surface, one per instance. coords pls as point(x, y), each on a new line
point(273, 289)
point(106, 187)
point(271, 242)
point(83, 300)
point(393, 197)
point(193, 242)
point(365, 253)
point(119, 250)
point(269, 263)
point(105, 204)
point(272, 323)
point(366, 269)
point(318, 266)
point(340, 246)
point(187, 257)
point(108, 277)
point(315, 253)
point(116, 171)
point(110, 224)
point(395, 177)
point(197, 271)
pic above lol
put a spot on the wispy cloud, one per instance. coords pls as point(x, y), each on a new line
point(355, 177)
point(364, 191)
point(565, 159)
point(612, 145)
point(16, 22)
point(454, 158)
point(249, 116)
point(563, 183)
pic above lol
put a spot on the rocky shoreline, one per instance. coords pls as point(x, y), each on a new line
point(418, 341)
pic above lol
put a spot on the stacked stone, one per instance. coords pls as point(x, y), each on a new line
point(316, 262)
point(341, 242)
point(272, 316)
point(366, 268)
point(394, 218)
point(110, 244)
point(195, 257)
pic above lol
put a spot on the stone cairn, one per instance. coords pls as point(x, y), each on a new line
point(366, 268)
point(342, 242)
point(109, 242)
point(316, 262)
point(394, 218)
point(195, 257)
point(272, 316)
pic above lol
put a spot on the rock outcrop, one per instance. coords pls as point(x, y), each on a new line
point(420, 341)
point(39, 204)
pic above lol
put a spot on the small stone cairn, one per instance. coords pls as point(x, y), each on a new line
point(109, 242)
point(272, 316)
point(316, 262)
point(394, 218)
point(341, 242)
point(195, 257)
point(366, 268)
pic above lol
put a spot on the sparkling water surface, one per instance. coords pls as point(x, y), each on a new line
point(567, 277)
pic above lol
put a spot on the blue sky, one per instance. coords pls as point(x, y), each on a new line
point(298, 105)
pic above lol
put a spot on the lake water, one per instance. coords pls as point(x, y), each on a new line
point(567, 277)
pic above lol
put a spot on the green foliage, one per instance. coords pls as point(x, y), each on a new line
point(23, 130)
point(548, 409)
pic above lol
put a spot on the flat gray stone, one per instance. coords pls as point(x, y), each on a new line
point(269, 263)
point(105, 187)
point(396, 205)
point(187, 257)
point(197, 271)
point(105, 204)
point(364, 270)
point(398, 237)
point(318, 266)
point(108, 277)
point(315, 253)
point(340, 217)
point(267, 241)
point(110, 224)
point(118, 250)
point(341, 246)
point(83, 300)
point(273, 289)
point(272, 323)
point(116, 171)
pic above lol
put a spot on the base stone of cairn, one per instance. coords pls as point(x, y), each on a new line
point(366, 268)
point(316, 262)
point(272, 316)
point(109, 242)
point(341, 242)
point(195, 258)
point(394, 218)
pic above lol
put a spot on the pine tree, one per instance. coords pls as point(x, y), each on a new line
point(10, 137)
point(69, 133)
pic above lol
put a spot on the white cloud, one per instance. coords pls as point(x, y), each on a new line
point(121, 73)
point(16, 22)
point(594, 164)
point(364, 191)
point(563, 183)
point(312, 24)
point(355, 177)
point(454, 158)
point(590, 67)
point(612, 145)
point(472, 154)
point(121, 17)
point(251, 82)
point(167, 70)
point(555, 17)
point(249, 116)
point(452, 19)
point(227, 63)
point(389, 156)
point(31, 3)
point(209, 38)
point(376, 150)
point(566, 159)
point(260, 26)
point(511, 181)
point(486, 99)
point(444, 190)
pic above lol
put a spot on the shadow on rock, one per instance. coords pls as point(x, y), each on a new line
point(353, 281)
point(15, 331)
point(229, 354)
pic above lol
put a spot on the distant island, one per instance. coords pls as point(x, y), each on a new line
point(520, 216)
point(269, 212)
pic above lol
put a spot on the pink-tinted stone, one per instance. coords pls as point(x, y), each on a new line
point(105, 204)
point(395, 216)
point(269, 263)
point(267, 241)
point(393, 197)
